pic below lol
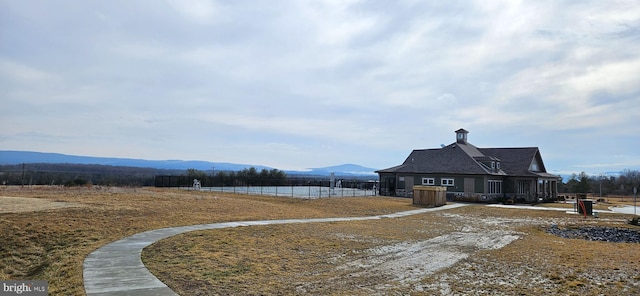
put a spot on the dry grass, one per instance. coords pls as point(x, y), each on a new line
point(51, 244)
point(277, 259)
point(541, 263)
point(331, 258)
point(9, 204)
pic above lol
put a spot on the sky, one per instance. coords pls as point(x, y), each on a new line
point(303, 84)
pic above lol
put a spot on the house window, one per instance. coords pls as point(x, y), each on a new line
point(498, 165)
point(446, 182)
point(428, 181)
point(493, 164)
point(495, 187)
point(523, 187)
point(401, 183)
point(534, 166)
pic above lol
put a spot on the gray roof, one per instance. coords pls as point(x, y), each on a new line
point(460, 158)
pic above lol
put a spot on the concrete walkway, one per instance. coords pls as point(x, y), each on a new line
point(626, 209)
point(117, 269)
point(566, 210)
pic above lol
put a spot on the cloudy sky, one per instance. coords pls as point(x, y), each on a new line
point(301, 84)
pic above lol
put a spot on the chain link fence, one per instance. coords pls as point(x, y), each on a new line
point(311, 188)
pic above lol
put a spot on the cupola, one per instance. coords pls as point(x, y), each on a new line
point(461, 136)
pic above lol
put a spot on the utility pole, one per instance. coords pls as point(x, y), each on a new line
point(602, 178)
point(213, 177)
point(23, 174)
point(635, 190)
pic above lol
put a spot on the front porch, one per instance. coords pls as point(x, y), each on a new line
point(535, 189)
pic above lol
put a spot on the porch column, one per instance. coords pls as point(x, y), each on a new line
point(548, 193)
point(546, 189)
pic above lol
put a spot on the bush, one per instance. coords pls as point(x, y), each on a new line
point(505, 200)
point(76, 182)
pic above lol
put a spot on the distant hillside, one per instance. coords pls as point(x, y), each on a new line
point(346, 169)
point(19, 157)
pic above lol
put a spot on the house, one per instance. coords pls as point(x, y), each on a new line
point(473, 174)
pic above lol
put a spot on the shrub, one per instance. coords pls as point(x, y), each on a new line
point(76, 182)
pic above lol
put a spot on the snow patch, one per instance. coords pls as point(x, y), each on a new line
point(409, 262)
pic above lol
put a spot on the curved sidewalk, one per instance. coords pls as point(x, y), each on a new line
point(117, 269)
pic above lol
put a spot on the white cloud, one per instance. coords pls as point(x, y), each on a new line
point(616, 77)
point(22, 74)
point(321, 81)
point(199, 11)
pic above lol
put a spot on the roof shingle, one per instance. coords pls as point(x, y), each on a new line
point(459, 158)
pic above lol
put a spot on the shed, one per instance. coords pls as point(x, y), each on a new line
point(433, 196)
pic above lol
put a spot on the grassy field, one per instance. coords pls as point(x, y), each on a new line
point(346, 258)
point(51, 243)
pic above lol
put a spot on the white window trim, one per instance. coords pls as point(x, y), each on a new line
point(428, 181)
point(494, 187)
point(447, 182)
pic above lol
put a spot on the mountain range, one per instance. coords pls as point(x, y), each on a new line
point(8, 157)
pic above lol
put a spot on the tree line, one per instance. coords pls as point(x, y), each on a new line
point(76, 175)
point(252, 177)
point(245, 177)
point(106, 175)
point(622, 184)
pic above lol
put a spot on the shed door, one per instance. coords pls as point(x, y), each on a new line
point(469, 185)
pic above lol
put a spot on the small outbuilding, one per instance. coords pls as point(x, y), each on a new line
point(431, 196)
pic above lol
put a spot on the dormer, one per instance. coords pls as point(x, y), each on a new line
point(490, 163)
point(461, 136)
